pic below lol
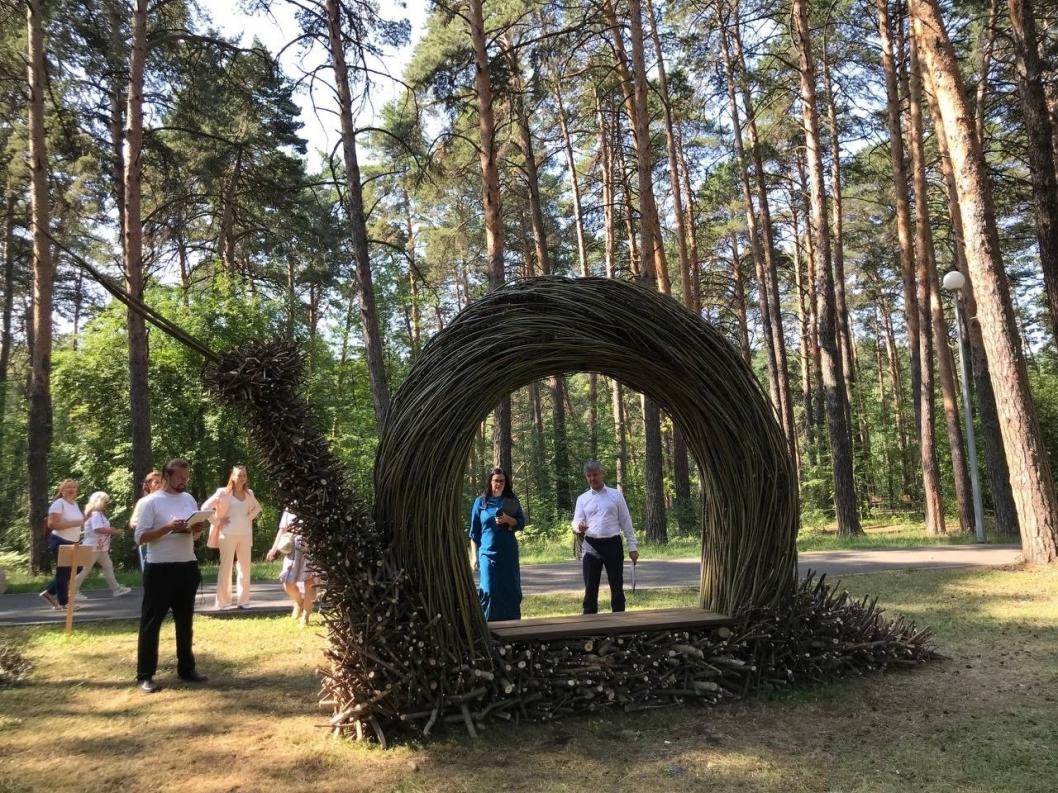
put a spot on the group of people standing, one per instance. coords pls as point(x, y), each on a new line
point(171, 575)
point(600, 519)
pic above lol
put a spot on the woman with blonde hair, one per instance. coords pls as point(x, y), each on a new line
point(97, 535)
point(152, 483)
point(64, 528)
point(235, 508)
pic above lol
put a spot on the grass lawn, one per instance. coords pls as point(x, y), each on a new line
point(986, 720)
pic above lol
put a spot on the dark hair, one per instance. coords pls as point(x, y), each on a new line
point(172, 465)
point(508, 491)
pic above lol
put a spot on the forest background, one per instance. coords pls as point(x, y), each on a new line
point(796, 173)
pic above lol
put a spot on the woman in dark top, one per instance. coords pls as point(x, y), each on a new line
point(494, 518)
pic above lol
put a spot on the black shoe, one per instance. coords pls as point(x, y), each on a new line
point(194, 677)
point(148, 686)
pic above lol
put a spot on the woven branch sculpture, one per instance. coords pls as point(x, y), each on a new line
point(408, 648)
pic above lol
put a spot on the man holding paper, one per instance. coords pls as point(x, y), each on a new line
point(168, 524)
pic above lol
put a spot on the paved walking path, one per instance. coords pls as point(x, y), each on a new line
point(537, 579)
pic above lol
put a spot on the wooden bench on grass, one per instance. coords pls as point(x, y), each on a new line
point(607, 623)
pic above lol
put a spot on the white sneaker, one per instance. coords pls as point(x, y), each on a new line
point(80, 596)
point(120, 591)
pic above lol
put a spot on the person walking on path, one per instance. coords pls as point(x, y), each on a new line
point(298, 577)
point(97, 535)
point(64, 528)
point(171, 575)
point(601, 517)
point(235, 509)
point(494, 518)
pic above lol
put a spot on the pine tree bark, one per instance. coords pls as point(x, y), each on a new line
point(1040, 147)
point(502, 441)
point(39, 429)
point(739, 289)
point(837, 226)
point(654, 270)
point(984, 62)
point(354, 196)
point(991, 437)
point(752, 229)
point(805, 335)
point(556, 385)
point(767, 243)
point(1030, 468)
point(903, 212)
point(6, 309)
point(620, 436)
point(139, 394)
point(840, 443)
point(896, 382)
point(945, 360)
point(934, 506)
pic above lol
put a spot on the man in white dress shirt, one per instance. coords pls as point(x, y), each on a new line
point(601, 517)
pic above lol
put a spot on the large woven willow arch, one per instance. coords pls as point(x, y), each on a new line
point(539, 327)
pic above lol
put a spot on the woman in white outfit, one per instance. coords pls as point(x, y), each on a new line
point(97, 535)
point(232, 532)
point(64, 528)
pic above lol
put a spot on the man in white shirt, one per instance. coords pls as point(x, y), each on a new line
point(601, 517)
point(170, 574)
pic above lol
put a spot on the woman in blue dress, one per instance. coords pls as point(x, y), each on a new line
point(494, 518)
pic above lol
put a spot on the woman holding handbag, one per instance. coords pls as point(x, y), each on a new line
point(231, 531)
point(297, 576)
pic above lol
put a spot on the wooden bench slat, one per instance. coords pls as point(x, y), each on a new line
point(607, 623)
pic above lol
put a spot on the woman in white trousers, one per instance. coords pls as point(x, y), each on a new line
point(232, 533)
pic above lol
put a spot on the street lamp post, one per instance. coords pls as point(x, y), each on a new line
point(954, 283)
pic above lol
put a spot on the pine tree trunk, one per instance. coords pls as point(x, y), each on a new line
point(654, 270)
point(903, 211)
point(620, 441)
point(5, 325)
point(1030, 468)
point(896, 382)
point(674, 168)
point(764, 303)
point(767, 244)
point(934, 506)
point(39, 424)
point(805, 334)
point(985, 49)
point(354, 196)
point(139, 394)
point(837, 232)
point(574, 182)
point(556, 385)
point(607, 186)
point(1040, 148)
point(991, 438)
point(834, 395)
point(739, 289)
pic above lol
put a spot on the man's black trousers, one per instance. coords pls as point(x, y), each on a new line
point(167, 586)
point(600, 553)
